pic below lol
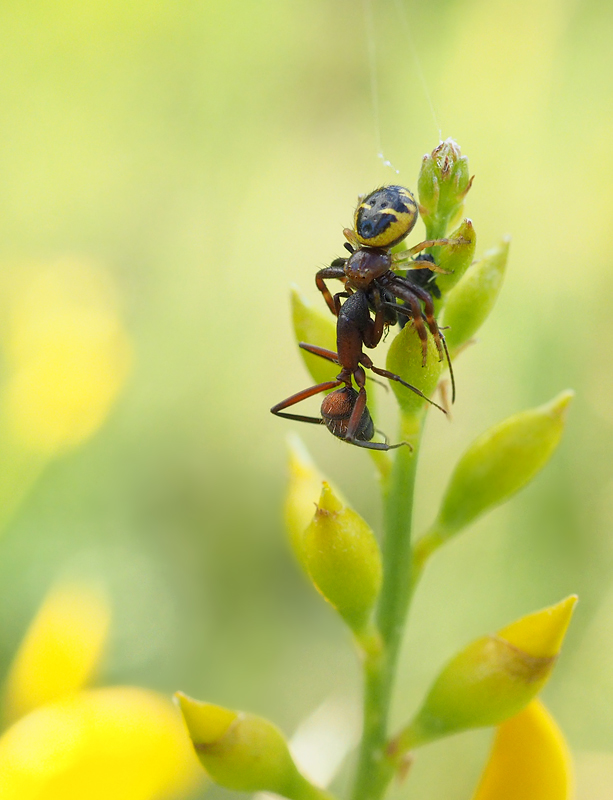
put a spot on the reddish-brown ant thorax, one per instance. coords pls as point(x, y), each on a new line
point(365, 265)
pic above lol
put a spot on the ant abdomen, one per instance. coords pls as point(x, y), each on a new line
point(336, 410)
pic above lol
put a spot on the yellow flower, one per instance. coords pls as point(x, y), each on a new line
point(120, 742)
point(60, 651)
point(529, 760)
point(67, 355)
point(71, 743)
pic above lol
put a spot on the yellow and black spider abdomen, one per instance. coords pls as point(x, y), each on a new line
point(384, 217)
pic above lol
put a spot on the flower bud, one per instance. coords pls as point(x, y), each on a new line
point(442, 185)
point(343, 560)
point(497, 464)
point(404, 358)
point(303, 492)
point(243, 752)
point(469, 303)
point(529, 760)
point(492, 679)
point(456, 257)
point(313, 327)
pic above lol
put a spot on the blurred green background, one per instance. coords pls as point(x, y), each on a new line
point(202, 156)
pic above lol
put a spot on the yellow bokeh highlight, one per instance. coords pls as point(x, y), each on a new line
point(541, 634)
point(67, 355)
point(61, 649)
point(529, 760)
point(122, 743)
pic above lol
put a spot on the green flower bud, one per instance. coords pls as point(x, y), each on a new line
point(343, 560)
point(497, 464)
point(302, 493)
point(470, 302)
point(404, 358)
point(244, 752)
point(314, 327)
point(442, 185)
point(492, 679)
point(455, 257)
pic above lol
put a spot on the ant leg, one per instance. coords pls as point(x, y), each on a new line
point(356, 415)
point(392, 446)
point(377, 445)
point(337, 301)
point(379, 383)
point(374, 328)
point(393, 377)
point(319, 351)
point(354, 421)
point(303, 395)
point(336, 270)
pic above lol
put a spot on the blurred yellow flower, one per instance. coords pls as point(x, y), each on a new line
point(529, 760)
point(60, 651)
point(71, 743)
point(67, 355)
point(122, 743)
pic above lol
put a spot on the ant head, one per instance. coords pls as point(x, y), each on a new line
point(384, 217)
point(336, 411)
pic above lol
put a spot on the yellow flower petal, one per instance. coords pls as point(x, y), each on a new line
point(529, 760)
point(121, 743)
point(60, 651)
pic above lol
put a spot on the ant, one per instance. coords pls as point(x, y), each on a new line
point(344, 411)
point(382, 220)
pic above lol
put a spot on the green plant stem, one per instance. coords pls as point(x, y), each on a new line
point(305, 790)
point(375, 769)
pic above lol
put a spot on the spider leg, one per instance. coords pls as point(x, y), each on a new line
point(405, 291)
point(426, 298)
point(352, 239)
point(404, 310)
point(428, 243)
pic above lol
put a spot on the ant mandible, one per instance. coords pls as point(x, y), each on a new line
point(344, 411)
point(382, 220)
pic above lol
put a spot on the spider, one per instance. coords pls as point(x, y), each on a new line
point(382, 220)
